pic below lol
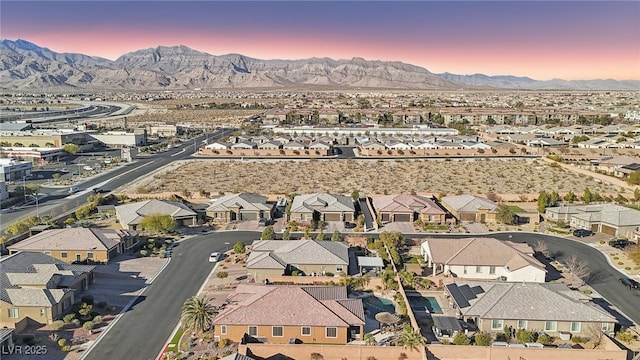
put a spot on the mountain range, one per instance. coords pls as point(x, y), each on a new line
point(27, 66)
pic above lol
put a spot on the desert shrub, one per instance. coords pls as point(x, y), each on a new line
point(525, 336)
point(579, 339)
point(222, 274)
point(461, 339)
point(625, 336)
point(483, 339)
point(88, 325)
point(62, 342)
point(97, 319)
point(69, 318)
point(239, 248)
point(544, 339)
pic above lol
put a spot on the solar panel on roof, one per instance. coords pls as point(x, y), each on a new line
point(457, 296)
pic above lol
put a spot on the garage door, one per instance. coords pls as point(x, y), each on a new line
point(608, 230)
point(402, 218)
point(332, 217)
point(594, 228)
point(248, 216)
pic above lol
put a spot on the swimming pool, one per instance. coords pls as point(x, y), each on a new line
point(376, 304)
point(420, 303)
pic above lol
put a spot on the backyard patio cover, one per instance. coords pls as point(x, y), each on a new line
point(447, 323)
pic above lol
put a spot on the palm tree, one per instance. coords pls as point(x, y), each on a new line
point(197, 314)
point(411, 339)
point(369, 339)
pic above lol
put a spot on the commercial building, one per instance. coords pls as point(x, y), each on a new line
point(12, 170)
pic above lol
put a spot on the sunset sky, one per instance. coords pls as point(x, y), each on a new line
point(540, 39)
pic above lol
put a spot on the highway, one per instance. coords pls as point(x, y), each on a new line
point(59, 201)
point(142, 332)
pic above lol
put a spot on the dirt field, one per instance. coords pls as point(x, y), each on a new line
point(372, 177)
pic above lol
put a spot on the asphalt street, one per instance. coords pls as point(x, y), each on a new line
point(142, 332)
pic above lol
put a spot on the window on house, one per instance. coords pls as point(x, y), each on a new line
point(306, 331)
point(338, 268)
point(497, 324)
point(478, 269)
point(43, 312)
point(89, 255)
point(63, 254)
point(14, 313)
point(332, 332)
point(277, 331)
point(522, 324)
point(253, 330)
point(492, 270)
point(576, 326)
point(223, 329)
point(605, 327)
point(550, 325)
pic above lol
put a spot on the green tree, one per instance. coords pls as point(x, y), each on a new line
point(268, 233)
point(320, 236)
point(158, 223)
point(17, 227)
point(554, 198)
point(336, 236)
point(634, 178)
point(411, 339)
point(543, 201)
point(587, 196)
point(524, 336)
point(239, 248)
point(71, 148)
point(355, 195)
point(461, 339)
point(636, 194)
point(570, 197)
point(286, 234)
point(483, 339)
point(505, 215)
point(197, 314)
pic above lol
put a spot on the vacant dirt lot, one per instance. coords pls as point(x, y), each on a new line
point(371, 177)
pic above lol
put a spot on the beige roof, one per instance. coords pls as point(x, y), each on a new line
point(70, 239)
point(469, 203)
point(481, 252)
point(254, 304)
point(404, 203)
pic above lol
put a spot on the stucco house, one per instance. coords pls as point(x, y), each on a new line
point(322, 206)
point(239, 207)
point(78, 244)
point(276, 314)
point(407, 208)
point(269, 258)
point(550, 308)
point(483, 258)
point(129, 215)
point(38, 287)
point(470, 208)
point(610, 219)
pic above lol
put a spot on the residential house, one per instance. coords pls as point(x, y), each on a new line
point(77, 244)
point(626, 170)
point(293, 145)
point(550, 308)
point(278, 313)
point(470, 208)
point(609, 164)
point(269, 258)
point(239, 207)
point(246, 145)
point(407, 208)
point(270, 145)
point(322, 206)
point(218, 145)
point(373, 145)
point(483, 258)
point(38, 287)
point(130, 215)
point(610, 219)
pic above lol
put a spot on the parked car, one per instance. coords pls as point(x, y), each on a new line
point(582, 232)
point(214, 257)
point(88, 168)
point(620, 243)
point(97, 190)
point(263, 222)
point(73, 189)
point(630, 283)
point(349, 225)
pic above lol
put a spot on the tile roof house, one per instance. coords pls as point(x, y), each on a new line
point(470, 208)
point(129, 215)
point(77, 244)
point(269, 258)
point(549, 308)
point(322, 206)
point(239, 207)
point(483, 258)
point(279, 313)
point(610, 219)
point(407, 208)
point(38, 287)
